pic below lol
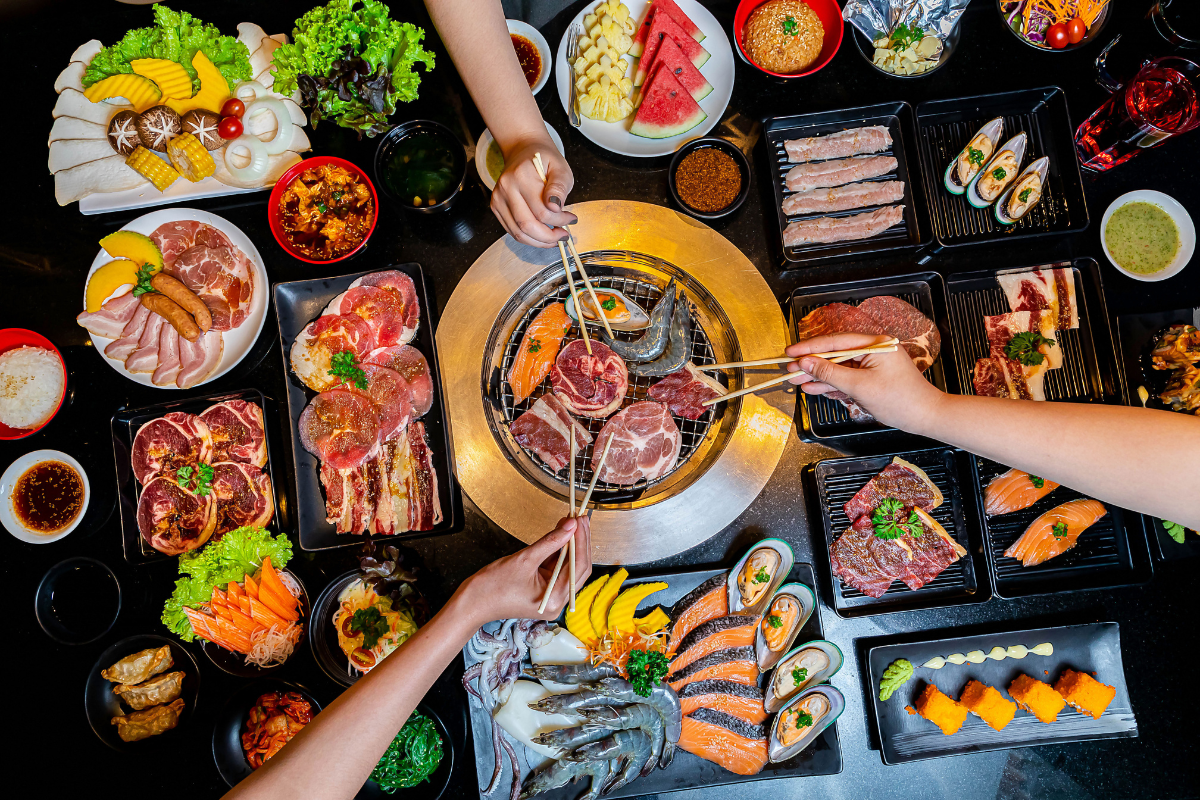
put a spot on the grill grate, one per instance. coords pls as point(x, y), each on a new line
point(646, 294)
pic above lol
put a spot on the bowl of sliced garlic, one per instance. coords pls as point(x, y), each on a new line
point(908, 52)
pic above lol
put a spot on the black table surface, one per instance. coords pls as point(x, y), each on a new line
point(45, 252)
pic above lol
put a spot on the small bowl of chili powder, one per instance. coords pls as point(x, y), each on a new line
point(709, 178)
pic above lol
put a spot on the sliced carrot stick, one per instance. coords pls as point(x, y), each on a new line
point(278, 606)
point(251, 587)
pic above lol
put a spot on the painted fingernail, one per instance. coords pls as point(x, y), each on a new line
point(566, 237)
point(574, 219)
point(557, 202)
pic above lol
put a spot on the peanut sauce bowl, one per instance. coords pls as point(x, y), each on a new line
point(275, 216)
point(8, 484)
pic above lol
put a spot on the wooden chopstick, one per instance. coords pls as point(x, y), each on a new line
point(588, 283)
point(883, 347)
point(845, 356)
point(562, 251)
point(596, 475)
point(571, 506)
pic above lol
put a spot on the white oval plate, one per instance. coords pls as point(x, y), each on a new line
point(9, 481)
point(485, 141)
point(534, 35)
point(719, 71)
point(238, 341)
point(1176, 211)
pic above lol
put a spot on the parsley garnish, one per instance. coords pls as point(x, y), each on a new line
point(1037, 482)
point(799, 675)
point(1023, 348)
point(999, 173)
point(775, 621)
point(904, 36)
point(144, 274)
point(346, 369)
point(762, 576)
point(1174, 530)
point(197, 479)
point(803, 719)
point(609, 304)
point(790, 26)
point(1059, 530)
point(890, 523)
point(974, 156)
point(371, 624)
point(646, 670)
point(1024, 195)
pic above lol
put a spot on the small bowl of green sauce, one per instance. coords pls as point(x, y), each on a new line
point(1148, 235)
point(489, 158)
point(422, 165)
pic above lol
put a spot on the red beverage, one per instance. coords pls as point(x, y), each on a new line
point(1157, 104)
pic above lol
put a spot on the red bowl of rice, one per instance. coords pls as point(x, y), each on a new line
point(14, 339)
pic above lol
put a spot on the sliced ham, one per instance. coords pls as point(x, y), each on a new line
point(130, 336)
point(826, 230)
point(804, 177)
point(850, 142)
point(199, 359)
point(113, 316)
point(645, 444)
point(167, 370)
point(844, 198)
point(545, 429)
point(144, 358)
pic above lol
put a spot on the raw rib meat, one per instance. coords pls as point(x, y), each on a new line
point(646, 444)
point(685, 391)
point(113, 316)
point(844, 198)
point(1001, 328)
point(544, 429)
point(199, 359)
point(168, 357)
point(144, 358)
point(120, 349)
point(826, 230)
point(850, 142)
point(1003, 377)
point(174, 520)
point(338, 427)
point(1050, 290)
point(165, 444)
point(804, 177)
point(210, 265)
point(244, 496)
point(237, 432)
point(402, 287)
point(589, 385)
point(899, 479)
point(413, 368)
point(313, 351)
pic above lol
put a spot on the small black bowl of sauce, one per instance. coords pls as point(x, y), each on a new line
point(78, 600)
point(43, 496)
point(422, 165)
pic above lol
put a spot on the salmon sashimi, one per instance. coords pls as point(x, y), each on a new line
point(1013, 490)
point(735, 699)
point(735, 630)
point(707, 601)
point(826, 230)
point(1055, 532)
point(539, 348)
point(803, 177)
point(733, 743)
point(736, 664)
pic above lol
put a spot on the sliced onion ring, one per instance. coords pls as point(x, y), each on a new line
point(254, 86)
point(283, 119)
point(256, 170)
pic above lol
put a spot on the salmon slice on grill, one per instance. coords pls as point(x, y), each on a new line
point(804, 177)
point(707, 601)
point(736, 699)
point(844, 198)
point(736, 664)
point(1014, 490)
point(827, 230)
point(731, 742)
point(735, 630)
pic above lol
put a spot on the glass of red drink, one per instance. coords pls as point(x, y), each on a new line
point(1161, 101)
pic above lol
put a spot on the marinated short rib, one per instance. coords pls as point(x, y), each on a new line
point(865, 561)
point(824, 174)
point(901, 480)
point(828, 230)
point(172, 519)
point(850, 142)
point(1051, 290)
point(164, 445)
point(545, 429)
point(1001, 328)
point(844, 198)
point(237, 432)
point(1002, 377)
point(244, 496)
point(685, 391)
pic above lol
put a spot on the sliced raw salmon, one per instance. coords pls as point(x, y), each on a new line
point(735, 630)
point(707, 601)
point(1040, 542)
point(735, 699)
point(733, 743)
point(1013, 490)
point(539, 348)
point(735, 664)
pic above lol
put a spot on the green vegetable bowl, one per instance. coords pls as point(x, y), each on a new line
point(411, 764)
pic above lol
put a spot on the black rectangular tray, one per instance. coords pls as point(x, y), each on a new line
point(899, 119)
point(1112, 552)
point(298, 303)
point(965, 581)
point(823, 757)
point(125, 425)
point(904, 737)
point(1089, 372)
point(822, 418)
point(945, 127)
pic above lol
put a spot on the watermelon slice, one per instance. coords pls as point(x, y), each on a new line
point(672, 58)
point(676, 13)
point(667, 109)
point(663, 27)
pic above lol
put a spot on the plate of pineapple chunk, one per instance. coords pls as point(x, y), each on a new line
point(636, 96)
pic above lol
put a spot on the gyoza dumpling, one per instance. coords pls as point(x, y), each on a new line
point(151, 722)
point(153, 692)
point(139, 666)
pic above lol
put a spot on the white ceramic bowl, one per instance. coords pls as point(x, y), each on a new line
point(1179, 214)
point(534, 35)
point(485, 141)
point(9, 481)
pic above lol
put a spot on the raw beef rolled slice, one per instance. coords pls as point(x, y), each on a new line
point(172, 441)
point(237, 432)
point(413, 367)
point(402, 286)
point(174, 520)
point(244, 496)
point(645, 444)
point(545, 429)
point(589, 385)
point(313, 351)
point(339, 428)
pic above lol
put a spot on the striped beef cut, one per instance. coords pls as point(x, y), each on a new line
point(589, 385)
point(645, 444)
point(685, 391)
point(237, 432)
point(165, 444)
point(1001, 328)
point(1000, 376)
point(545, 429)
point(1050, 290)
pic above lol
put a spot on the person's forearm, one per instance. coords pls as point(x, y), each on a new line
point(1144, 460)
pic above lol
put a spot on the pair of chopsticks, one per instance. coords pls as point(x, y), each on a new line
point(836, 356)
point(569, 547)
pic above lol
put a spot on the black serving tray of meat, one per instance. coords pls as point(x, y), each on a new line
point(125, 426)
point(898, 118)
point(686, 771)
point(405, 484)
point(948, 570)
point(824, 419)
point(946, 126)
point(1111, 552)
point(1089, 371)
point(1093, 649)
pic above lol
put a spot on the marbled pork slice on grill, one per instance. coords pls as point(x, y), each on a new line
point(843, 198)
point(589, 385)
point(850, 142)
point(165, 444)
point(868, 563)
point(826, 174)
point(546, 429)
point(1049, 290)
point(339, 428)
point(901, 480)
point(313, 350)
point(1001, 328)
point(645, 444)
point(172, 519)
point(405, 291)
point(685, 391)
point(210, 265)
point(112, 317)
point(827, 230)
point(237, 432)
point(244, 496)
point(412, 366)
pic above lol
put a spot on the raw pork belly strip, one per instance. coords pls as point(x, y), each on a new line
point(1001, 328)
point(803, 177)
point(685, 391)
point(1002, 377)
point(113, 316)
point(844, 198)
point(827, 230)
point(120, 349)
point(1050, 290)
point(850, 142)
point(545, 429)
point(904, 481)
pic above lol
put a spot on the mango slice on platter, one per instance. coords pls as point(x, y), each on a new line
point(604, 600)
point(136, 247)
point(142, 93)
point(620, 615)
point(579, 623)
point(170, 76)
point(107, 280)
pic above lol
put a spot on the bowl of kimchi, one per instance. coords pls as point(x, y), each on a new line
point(323, 210)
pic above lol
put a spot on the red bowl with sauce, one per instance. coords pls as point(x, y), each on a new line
point(11, 339)
point(828, 11)
point(275, 216)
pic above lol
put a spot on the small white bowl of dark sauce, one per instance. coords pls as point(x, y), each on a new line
point(1186, 230)
point(534, 41)
point(46, 514)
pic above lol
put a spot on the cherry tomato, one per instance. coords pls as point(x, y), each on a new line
point(233, 108)
point(362, 658)
point(1056, 37)
point(229, 127)
point(1076, 30)
point(347, 631)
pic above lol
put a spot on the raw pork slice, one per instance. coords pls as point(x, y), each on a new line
point(244, 496)
point(339, 427)
point(685, 391)
point(210, 265)
point(113, 316)
point(850, 142)
point(172, 441)
point(199, 359)
point(645, 444)
point(313, 351)
point(174, 520)
point(131, 334)
point(400, 285)
point(237, 432)
point(413, 367)
point(167, 371)
point(144, 357)
point(822, 175)
point(381, 309)
point(1001, 328)
point(1050, 290)
point(545, 429)
point(827, 230)
point(589, 385)
point(1003, 377)
point(899, 479)
point(844, 198)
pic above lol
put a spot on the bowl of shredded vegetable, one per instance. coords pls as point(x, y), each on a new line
point(417, 763)
point(1055, 25)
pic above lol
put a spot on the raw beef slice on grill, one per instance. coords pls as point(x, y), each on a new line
point(1000, 376)
point(645, 444)
point(589, 385)
point(339, 428)
point(545, 429)
point(237, 432)
point(244, 496)
point(1051, 290)
point(405, 291)
point(868, 563)
point(174, 520)
point(1001, 328)
point(904, 481)
point(685, 391)
point(172, 441)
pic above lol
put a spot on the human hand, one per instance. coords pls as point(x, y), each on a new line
point(512, 587)
point(532, 212)
point(888, 385)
